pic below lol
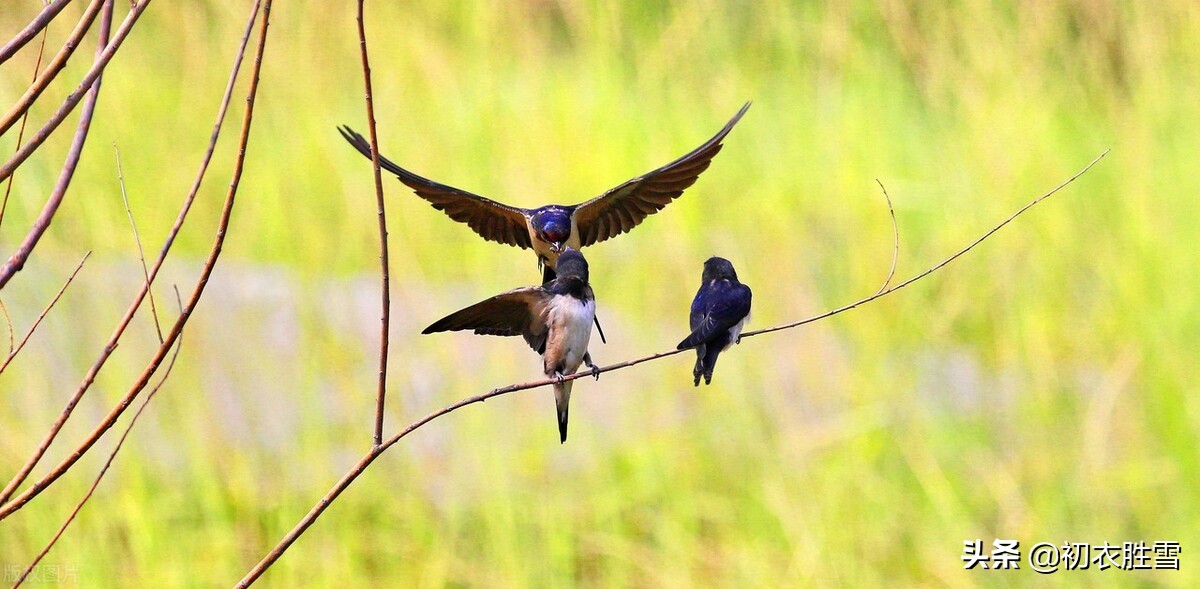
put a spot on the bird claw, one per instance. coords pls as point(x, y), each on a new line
point(558, 377)
point(738, 341)
point(595, 372)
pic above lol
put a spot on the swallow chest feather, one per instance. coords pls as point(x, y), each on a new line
point(570, 325)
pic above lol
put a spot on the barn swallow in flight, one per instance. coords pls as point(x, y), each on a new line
point(555, 319)
point(719, 312)
point(552, 228)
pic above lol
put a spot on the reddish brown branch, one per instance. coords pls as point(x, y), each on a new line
point(115, 338)
point(103, 470)
point(17, 261)
point(74, 97)
point(209, 264)
point(384, 321)
point(17, 350)
point(37, 25)
point(376, 451)
point(55, 66)
point(37, 66)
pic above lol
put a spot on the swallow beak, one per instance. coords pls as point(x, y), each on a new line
point(556, 247)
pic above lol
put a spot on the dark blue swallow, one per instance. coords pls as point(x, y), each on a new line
point(719, 312)
point(555, 319)
point(550, 229)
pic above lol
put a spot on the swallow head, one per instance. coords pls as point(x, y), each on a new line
point(716, 268)
point(553, 226)
point(571, 264)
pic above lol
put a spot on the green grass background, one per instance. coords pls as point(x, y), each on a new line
point(1040, 389)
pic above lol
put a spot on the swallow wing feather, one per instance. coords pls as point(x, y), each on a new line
point(723, 308)
point(492, 220)
point(624, 207)
point(519, 311)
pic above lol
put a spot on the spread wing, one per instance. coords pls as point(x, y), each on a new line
point(516, 312)
point(491, 220)
point(622, 208)
point(720, 309)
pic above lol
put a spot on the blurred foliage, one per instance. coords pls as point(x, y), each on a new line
point(1039, 389)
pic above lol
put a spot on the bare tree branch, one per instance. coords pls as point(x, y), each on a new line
point(375, 451)
point(209, 264)
point(895, 239)
point(38, 24)
point(115, 338)
point(14, 351)
point(384, 320)
point(107, 463)
point(55, 66)
point(17, 261)
point(138, 239)
point(37, 66)
point(73, 98)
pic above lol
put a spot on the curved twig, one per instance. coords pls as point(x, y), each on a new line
point(107, 463)
point(384, 321)
point(53, 68)
point(17, 261)
point(17, 350)
point(895, 239)
point(137, 238)
point(115, 338)
point(376, 451)
point(37, 66)
point(37, 25)
point(176, 329)
point(73, 98)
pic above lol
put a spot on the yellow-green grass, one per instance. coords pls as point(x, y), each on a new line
point(1039, 389)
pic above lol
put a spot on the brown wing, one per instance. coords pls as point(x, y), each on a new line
point(623, 207)
point(491, 220)
point(516, 312)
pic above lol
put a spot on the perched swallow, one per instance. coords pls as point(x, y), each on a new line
point(555, 319)
point(719, 312)
point(552, 228)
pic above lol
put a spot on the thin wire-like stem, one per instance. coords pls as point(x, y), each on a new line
point(138, 239)
point(53, 68)
point(288, 539)
point(385, 288)
point(17, 261)
point(104, 469)
point(939, 265)
point(37, 66)
point(17, 350)
point(130, 312)
point(895, 239)
point(11, 333)
point(72, 100)
point(37, 25)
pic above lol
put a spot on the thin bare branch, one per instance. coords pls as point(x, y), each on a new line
point(11, 334)
point(138, 238)
point(384, 321)
point(939, 265)
point(115, 338)
point(107, 463)
point(375, 451)
point(895, 239)
point(53, 68)
point(38, 24)
point(14, 351)
point(210, 263)
point(73, 98)
point(17, 261)
point(37, 66)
